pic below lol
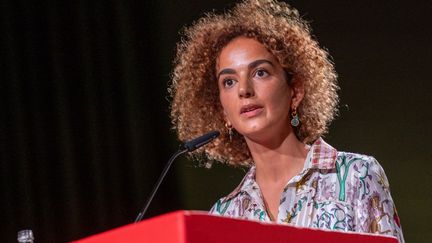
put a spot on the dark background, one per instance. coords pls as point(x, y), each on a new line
point(84, 127)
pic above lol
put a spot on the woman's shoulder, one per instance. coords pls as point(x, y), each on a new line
point(359, 174)
point(356, 162)
point(355, 157)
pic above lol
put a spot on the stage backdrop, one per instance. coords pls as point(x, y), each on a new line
point(84, 127)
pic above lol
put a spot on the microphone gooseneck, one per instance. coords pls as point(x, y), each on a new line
point(188, 146)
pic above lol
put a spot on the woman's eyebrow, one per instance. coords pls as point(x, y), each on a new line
point(226, 71)
point(251, 65)
point(256, 63)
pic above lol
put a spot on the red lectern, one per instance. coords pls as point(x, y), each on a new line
point(199, 227)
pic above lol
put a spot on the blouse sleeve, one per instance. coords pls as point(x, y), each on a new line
point(213, 209)
point(377, 212)
point(220, 207)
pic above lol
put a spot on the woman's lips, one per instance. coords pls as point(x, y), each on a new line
point(251, 110)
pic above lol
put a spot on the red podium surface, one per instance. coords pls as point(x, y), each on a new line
point(199, 227)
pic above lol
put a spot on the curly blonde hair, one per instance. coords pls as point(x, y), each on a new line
point(196, 108)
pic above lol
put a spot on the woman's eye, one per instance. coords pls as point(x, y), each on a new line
point(261, 73)
point(228, 82)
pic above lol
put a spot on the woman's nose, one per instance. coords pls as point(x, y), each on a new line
point(246, 89)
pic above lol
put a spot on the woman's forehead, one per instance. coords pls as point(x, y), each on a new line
point(242, 51)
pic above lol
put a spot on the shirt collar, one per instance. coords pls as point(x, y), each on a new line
point(321, 154)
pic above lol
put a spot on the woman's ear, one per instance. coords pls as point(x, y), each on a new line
point(298, 92)
point(225, 117)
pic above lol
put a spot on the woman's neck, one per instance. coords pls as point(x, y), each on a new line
point(279, 160)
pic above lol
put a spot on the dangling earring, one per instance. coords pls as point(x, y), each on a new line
point(294, 120)
point(230, 130)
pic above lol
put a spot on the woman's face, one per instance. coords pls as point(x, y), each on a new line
point(253, 90)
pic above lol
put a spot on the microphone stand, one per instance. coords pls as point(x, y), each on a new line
point(188, 146)
point(159, 181)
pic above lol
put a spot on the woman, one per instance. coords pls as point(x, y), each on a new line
point(256, 74)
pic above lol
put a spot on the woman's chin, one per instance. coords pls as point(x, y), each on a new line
point(265, 134)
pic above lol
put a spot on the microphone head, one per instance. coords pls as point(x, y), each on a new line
point(198, 142)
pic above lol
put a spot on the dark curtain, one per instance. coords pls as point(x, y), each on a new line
point(84, 124)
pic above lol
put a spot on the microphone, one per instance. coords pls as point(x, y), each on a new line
point(188, 146)
point(198, 142)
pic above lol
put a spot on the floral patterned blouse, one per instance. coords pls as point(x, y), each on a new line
point(335, 190)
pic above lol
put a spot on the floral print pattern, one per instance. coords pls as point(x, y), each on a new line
point(335, 190)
